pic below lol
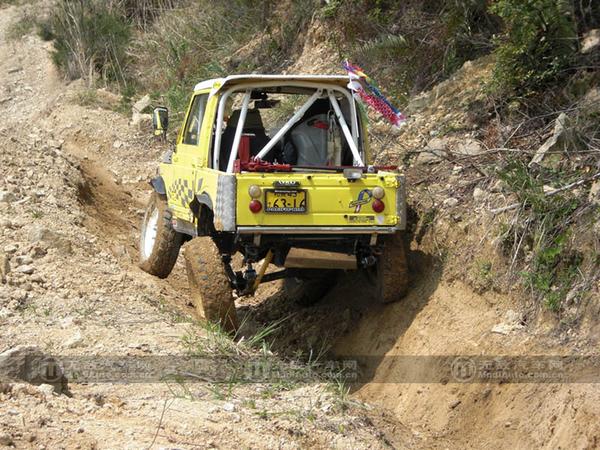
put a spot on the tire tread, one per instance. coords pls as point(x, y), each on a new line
point(168, 241)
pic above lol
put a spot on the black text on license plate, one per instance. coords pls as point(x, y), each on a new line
point(285, 201)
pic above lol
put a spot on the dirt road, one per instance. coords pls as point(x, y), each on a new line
point(73, 186)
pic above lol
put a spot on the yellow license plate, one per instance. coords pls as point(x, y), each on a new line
point(285, 201)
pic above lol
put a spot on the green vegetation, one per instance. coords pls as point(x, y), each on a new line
point(234, 363)
point(166, 50)
point(537, 45)
point(413, 44)
point(37, 214)
point(90, 39)
point(166, 46)
point(542, 236)
point(210, 39)
point(185, 46)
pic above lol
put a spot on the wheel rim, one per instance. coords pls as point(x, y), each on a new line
point(150, 232)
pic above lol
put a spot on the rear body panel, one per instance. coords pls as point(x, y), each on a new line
point(331, 201)
point(333, 204)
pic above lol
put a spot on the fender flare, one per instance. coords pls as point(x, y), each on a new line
point(158, 184)
point(204, 199)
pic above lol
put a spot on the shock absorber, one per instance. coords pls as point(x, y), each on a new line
point(263, 269)
point(249, 277)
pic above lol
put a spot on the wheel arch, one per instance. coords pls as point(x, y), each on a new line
point(202, 207)
point(204, 199)
point(158, 184)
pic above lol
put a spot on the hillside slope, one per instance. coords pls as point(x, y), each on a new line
point(72, 192)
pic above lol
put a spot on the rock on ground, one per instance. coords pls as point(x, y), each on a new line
point(554, 143)
point(590, 41)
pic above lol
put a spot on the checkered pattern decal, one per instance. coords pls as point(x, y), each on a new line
point(181, 193)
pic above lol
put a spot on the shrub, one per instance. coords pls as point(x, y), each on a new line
point(537, 45)
point(544, 229)
point(90, 38)
point(469, 29)
point(411, 44)
point(210, 39)
point(142, 13)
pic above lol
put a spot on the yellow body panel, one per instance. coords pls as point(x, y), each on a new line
point(187, 175)
point(332, 200)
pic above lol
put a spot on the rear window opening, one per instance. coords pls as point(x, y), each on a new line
point(287, 129)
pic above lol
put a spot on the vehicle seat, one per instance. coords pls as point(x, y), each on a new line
point(309, 139)
point(253, 126)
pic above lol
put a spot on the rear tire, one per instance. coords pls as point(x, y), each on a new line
point(308, 291)
point(159, 242)
point(390, 273)
point(211, 291)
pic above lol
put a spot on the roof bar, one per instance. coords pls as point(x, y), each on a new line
point(349, 138)
point(219, 129)
point(290, 123)
point(238, 132)
point(260, 84)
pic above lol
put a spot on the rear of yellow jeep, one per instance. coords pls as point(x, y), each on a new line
point(351, 202)
point(299, 194)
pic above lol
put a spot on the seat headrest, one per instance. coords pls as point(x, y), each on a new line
point(253, 120)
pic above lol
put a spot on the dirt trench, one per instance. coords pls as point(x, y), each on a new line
point(114, 213)
point(438, 317)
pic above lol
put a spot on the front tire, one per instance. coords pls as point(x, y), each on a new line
point(159, 242)
point(211, 291)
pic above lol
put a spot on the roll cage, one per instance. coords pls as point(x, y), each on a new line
point(320, 90)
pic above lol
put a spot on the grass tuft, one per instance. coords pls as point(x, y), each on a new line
point(542, 235)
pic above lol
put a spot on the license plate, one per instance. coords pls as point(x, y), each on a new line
point(285, 201)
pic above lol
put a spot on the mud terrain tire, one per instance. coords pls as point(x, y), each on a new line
point(390, 274)
point(308, 291)
point(159, 242)
point(211, 292)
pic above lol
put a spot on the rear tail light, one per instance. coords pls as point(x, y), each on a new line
point(255, 206)
point(378, 205)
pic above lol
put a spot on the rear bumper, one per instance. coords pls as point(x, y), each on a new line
point(317, 230)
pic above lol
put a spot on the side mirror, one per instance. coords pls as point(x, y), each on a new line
point(160, 121)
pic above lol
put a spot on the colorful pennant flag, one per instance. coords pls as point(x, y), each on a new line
point(366, 89)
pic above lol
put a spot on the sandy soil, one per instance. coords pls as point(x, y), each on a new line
point(74, 187)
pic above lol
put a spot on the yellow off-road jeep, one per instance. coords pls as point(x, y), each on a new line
point(275, 167)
